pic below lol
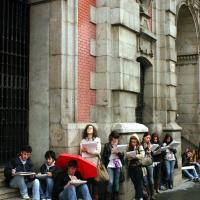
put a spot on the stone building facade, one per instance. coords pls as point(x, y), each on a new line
point(112, 61)
point(108, 62)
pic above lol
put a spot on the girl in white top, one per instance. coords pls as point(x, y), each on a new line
point(90, 135)
point(169, 161)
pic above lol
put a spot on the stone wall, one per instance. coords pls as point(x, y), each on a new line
point(129, 35)
point(39, 80)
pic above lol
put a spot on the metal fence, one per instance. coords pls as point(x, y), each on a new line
point(14, 51)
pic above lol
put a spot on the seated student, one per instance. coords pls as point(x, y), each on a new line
point(48, 168)
point(186, 159)
point(194, 161)
point(22, 163)
point(64, 189)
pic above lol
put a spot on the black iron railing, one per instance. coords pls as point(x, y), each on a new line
point(14, 51)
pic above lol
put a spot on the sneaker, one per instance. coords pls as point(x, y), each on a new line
point(26, 197)
point(197, 180)
point(163, 188)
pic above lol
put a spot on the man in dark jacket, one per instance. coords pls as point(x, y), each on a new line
point(22, 163)
point(64, 188)
point(48, 169)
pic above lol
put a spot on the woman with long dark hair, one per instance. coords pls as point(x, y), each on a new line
point(113, 160)
point(158, 159)
point(169, 161)
point(90, 135)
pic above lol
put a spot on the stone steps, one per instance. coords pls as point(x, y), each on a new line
point(8, 193)
point(2, 182)
point(5, 192)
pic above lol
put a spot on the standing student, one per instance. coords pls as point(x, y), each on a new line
point(22, 163)
point(113, 160)
point(134, 167)
point(90, 135)
point(169, 161)
point(48, 168)
point(148, 180)
point(158, 158)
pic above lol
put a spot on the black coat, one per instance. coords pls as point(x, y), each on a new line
point(185, 160)
point(17, 164)
point(44, 170)
point(107, 152)
point(158, 157)
point(61, 178)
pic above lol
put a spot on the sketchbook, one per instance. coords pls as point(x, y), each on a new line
point(174, 144)
point(77, 182)
point(131, 154)
point(25, 173)
point(121, 147)
point(188, 167)
point(41, 175)
point(155, 147)
point(91, 147)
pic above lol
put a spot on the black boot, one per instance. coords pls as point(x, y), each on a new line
point(170, 185)
point(152, 195)
point(108, 196)
point(116, 196)
point(157, 185)
point(95, 196)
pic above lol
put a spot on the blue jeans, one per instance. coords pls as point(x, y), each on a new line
point(114, 174)
point(197, 166)
point(169, 168)
point(148, 180)
point(71, 193)
point(23, 185)
point(46, 187)
point(191, 173)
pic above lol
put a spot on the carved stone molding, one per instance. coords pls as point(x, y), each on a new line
point(144, 5)
point(194, 3)
point(187, 59)
point(146, 14)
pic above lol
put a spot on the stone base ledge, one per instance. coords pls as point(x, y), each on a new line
point(172, 126)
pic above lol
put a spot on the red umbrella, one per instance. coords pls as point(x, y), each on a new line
point(86, 168)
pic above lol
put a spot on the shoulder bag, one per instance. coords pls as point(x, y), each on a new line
point(145, 161)
point(102, 173)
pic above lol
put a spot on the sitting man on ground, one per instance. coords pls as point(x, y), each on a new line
point(22, 163)
point(186, 161)
point(48, 169)
point(64, 189)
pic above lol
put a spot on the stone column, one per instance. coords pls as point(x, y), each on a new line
point(117, 76)
point(171, 126)
point(39, 79)
point(63, 75)
point(53, 71)
point(116, 79)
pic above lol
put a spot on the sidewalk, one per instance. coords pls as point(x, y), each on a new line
point(186, 189)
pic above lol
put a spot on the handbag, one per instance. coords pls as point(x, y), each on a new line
point(102, 173)
point(121, 175)
point(176, 162)
point(145, 161)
